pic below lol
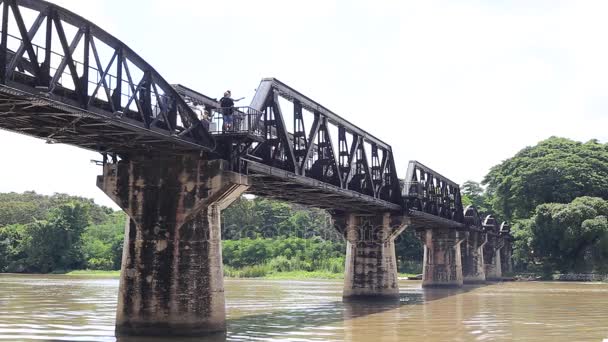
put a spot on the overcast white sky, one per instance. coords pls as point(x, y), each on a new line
point(456, 85)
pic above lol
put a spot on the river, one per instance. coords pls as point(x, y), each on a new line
point(34, 307)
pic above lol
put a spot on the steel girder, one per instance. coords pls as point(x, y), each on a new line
point(61, 75)
point(351, 160)
point(427, 191)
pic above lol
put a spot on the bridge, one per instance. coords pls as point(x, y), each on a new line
point(170, 162)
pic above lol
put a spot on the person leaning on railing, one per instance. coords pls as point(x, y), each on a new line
point(227, 104)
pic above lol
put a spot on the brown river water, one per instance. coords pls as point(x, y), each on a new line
point(71, 308)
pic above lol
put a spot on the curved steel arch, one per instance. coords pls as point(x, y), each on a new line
point(505, 228)
point(472, 217)
point(490, 224)
point(67, 77)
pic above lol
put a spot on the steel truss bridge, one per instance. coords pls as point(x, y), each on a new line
point(65, 80)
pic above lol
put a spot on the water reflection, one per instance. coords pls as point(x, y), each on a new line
point(82, 309)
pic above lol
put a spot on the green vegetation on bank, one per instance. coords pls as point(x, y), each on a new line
point(554, 194)
point(94, 273)
point(263, 238)
point(42, 234)
point(243, 273)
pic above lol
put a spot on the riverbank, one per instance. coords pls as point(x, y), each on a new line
point(325, 275)
point(291, 275)
point(577, 277)
point(92, 273)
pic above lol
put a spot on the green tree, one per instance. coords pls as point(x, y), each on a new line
point(409, 252)
point(568, 237)
point(11, 248)
point(102, 243)
point(265, 218)
point(474, 194)
point(556, 170)
point(56, 242)
point(29, 206)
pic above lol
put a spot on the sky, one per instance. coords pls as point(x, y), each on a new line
point(457, 85)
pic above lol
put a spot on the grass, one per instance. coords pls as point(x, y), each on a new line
point(407, 275)
point(266, 272)
point(297, 275)
point(95, 273)
point(246, 272)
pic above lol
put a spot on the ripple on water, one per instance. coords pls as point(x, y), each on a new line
point(83, 309)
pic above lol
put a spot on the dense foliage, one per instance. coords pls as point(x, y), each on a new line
point(29, 206)
point(264, 229)
point(554, 195)
point(264, 218)
point(284, 254)
point(52, 233)
point(556, 170)
point(566, 237)
point(474, 194)
point(56, 233)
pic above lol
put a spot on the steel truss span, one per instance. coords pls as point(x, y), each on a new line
point(326, 148)
point(428, 193)
point(66, 80)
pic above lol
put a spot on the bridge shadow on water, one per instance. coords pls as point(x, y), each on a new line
point(274, 324)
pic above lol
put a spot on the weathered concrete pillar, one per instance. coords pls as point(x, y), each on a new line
point(506, 255)
point(442, 257)
point(492, 258)
point(473, 268)
point(172, 276)
point(371, 265)
point(506, 252)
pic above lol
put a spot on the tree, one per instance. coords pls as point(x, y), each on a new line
point(568, 237)
point(11, 249)
point(556, 170)
point(409, 252)
point(102, 243)
point(29, 206)
point(55, 243)
point(472, 189)
point(474, 194)
point(267, 218)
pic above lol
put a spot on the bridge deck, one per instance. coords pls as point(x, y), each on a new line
point(420, 219)
point(284, 185)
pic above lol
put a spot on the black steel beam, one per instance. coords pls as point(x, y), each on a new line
point(290, 93)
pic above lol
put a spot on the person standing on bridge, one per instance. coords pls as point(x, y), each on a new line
point(227, 104)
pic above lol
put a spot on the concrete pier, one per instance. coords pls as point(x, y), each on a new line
point(473, 268)
point(371, 265)
point(493, 265)
point(492, 249)
point(506, 252)
point(442, 257)
point(172, 276)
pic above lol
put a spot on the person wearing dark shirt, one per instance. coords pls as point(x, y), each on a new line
point(227, 104)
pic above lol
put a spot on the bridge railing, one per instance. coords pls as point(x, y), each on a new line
point(245, 120)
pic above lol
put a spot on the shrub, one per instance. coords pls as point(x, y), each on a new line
point(332, 265)
point(255, 271)
point(100, 264)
